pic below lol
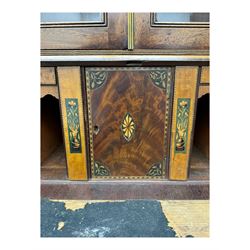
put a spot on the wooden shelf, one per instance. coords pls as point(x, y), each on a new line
point(199, 166)
point(54, 167)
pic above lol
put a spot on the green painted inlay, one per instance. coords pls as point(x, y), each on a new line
point(96, 78)
point(159, 78)
point(100, 170)
point(73, 125)
point(182, 117)
point(155, 170)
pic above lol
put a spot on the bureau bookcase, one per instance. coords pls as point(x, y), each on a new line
point(120, 96)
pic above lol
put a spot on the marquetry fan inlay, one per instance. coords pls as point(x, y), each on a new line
point(128, 127)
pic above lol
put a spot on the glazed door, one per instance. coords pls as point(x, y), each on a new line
point(83, 31)
point(128, 113)
point(171, 31)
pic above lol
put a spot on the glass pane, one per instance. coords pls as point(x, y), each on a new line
point(180, 17)
point(51, 17)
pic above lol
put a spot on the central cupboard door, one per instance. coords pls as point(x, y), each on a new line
point(128, 113)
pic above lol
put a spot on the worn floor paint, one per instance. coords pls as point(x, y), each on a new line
point(134, 218)
point(60, 225)
point(77, 204)
point(187, 217)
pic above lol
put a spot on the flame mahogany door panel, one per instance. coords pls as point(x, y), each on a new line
point(128, 113)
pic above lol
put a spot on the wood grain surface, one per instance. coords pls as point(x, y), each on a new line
point(128, 90)
point(185, 87)
point(113, 36)
point(54, 167)
point(199, 165)
point(70, 87)
point(147, 37)
point(49, 90)
point(126, 189)
point(203, 90)
point(47, 76)
point(205, 75)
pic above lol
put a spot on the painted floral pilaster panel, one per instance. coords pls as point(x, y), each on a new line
point(72, 106)
point(73, 125)
point(182, 118)
point(185, 92)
